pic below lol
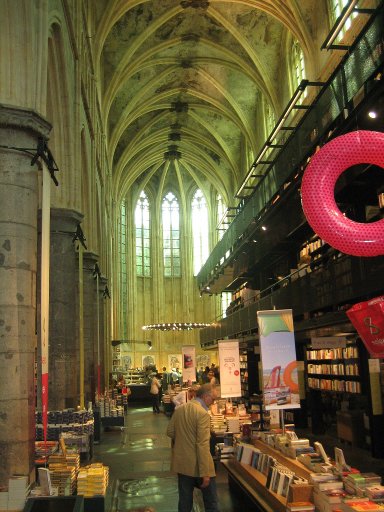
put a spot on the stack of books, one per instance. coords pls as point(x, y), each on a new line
point(356, 483)
point(63, 478)
point(18, 490)
point(3, 500)
point(218, 424)
point(375, 492)
point(233, 424)
point(92, 480)
point(300, 506)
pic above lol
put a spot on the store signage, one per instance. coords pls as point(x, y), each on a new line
point(368, 319)
point(188, 356)
point(278, 357)
point(229, 361)
point(329, 342)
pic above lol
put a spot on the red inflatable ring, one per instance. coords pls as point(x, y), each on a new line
point(318, 193)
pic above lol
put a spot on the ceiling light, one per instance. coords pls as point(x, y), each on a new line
point(372, 114)
point(175, 326)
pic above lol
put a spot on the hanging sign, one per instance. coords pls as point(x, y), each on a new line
point(44, 314)
point(278, 357)
point(229, 362)
point(188, 356)
point(368, 319)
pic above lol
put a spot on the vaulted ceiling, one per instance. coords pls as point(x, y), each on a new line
point(182, 82)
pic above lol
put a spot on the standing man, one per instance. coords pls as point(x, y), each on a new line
point(189, 429)
point(155, 392)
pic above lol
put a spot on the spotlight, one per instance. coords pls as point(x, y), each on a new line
point(264, 228)
point(372, 114)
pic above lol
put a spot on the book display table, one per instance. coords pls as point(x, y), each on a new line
point(252, 482)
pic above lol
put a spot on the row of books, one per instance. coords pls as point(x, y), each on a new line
point(349, 352)
point(334, 385)
point(66, 417)
point(55, 431)
point(334, 369)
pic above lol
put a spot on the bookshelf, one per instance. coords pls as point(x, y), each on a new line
point(334, 369)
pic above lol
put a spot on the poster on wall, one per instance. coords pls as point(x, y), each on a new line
point(278, 358)
point(189, 363)
point(202, 360)
point(147, 360)
point(174, 361)
point(229, 362)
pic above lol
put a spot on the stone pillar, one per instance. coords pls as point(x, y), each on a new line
point(64, 387)
point(19, 128)
point(90, 327)
point(104, 345)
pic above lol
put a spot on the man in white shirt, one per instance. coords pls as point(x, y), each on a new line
point(185, 395)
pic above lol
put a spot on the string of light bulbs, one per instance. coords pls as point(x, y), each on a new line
point(175, 326)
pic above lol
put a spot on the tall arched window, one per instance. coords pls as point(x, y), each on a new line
point(199, 231)
point(123, 268)
point(171, 235)
point(269, 118)
point(221, 209)
point(335, 7)
point(298, 63)
point(226, 298)
point(143, 236)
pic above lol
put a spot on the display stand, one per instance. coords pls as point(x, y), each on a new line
point(253, 483)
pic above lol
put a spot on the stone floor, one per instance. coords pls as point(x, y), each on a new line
point(138, 457)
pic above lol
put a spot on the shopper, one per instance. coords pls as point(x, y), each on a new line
point(189, 429)
point(204, 376)
point(185, 396)
point(155, 392)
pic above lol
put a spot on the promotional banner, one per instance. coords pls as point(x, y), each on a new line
point(188, 353)
point(44, 318)
point(278, 357)
point(229, 362)
point(368, 319)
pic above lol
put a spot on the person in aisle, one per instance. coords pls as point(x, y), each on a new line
point(155, 392)
point(175, 376)
point(189, 429)
point(212, 378)
point(204, 376)
point(185, 396)
point(165, 380)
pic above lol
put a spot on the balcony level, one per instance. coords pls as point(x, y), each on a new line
point(246, 251)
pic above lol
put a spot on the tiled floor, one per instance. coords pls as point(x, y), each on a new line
point(138, 457)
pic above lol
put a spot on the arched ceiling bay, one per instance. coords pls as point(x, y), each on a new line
point(181, 82)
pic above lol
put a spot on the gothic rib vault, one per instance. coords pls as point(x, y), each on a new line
point(182, 85)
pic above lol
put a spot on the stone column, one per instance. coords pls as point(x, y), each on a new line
point(90, 327)
point(19, 128)
point(105, 350)
point(64, 311)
